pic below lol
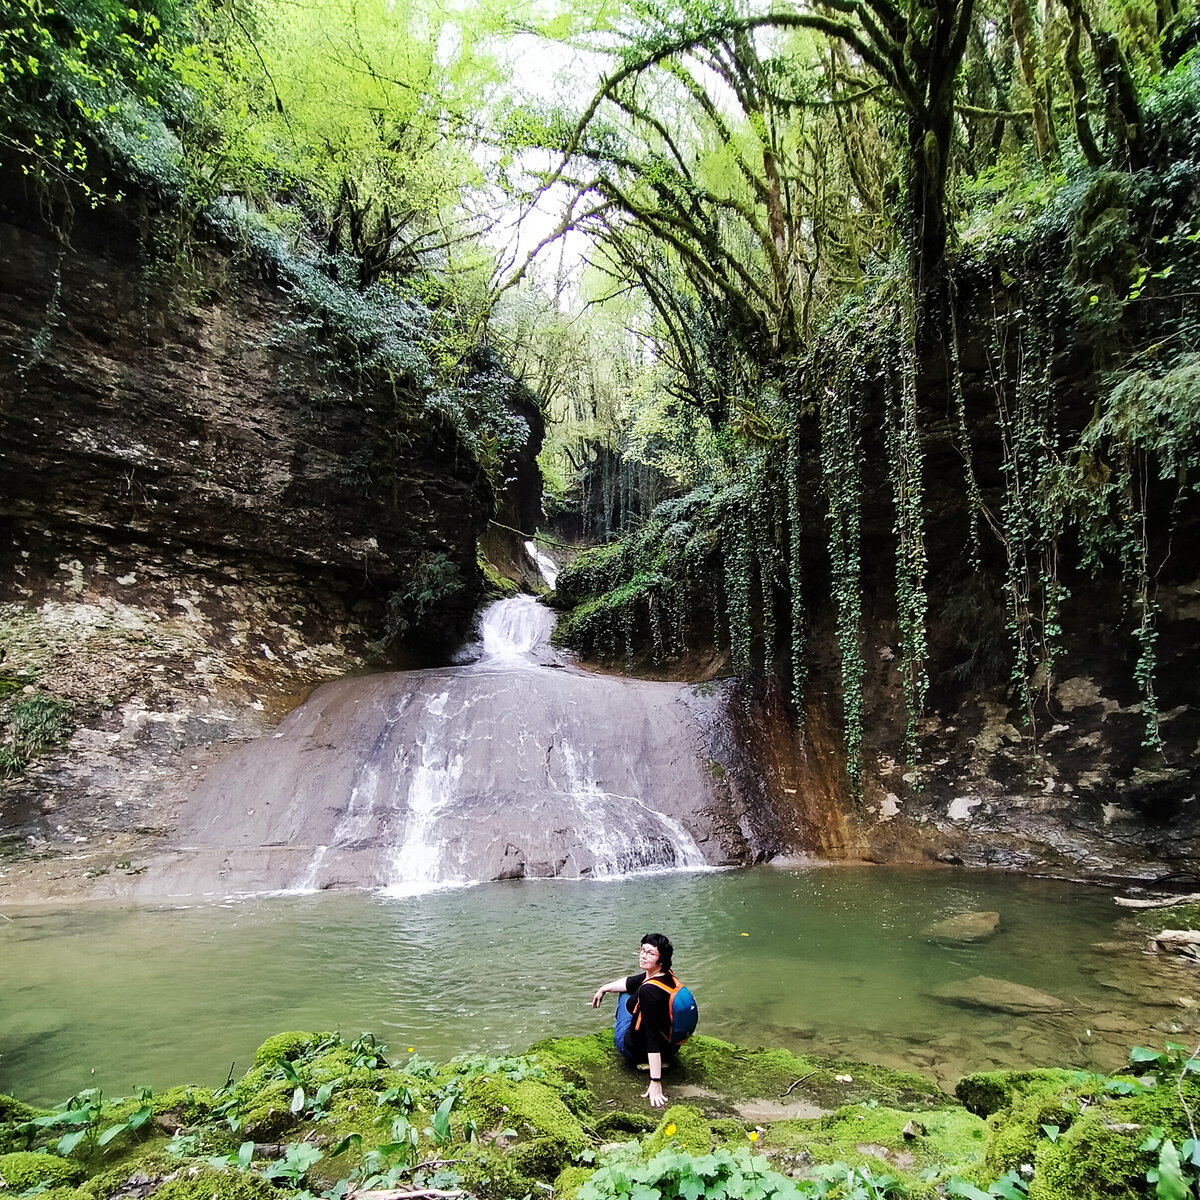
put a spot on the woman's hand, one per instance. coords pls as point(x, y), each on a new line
point(598, 997)
point(655, 1095)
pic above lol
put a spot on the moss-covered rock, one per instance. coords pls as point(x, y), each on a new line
point(26, 1169)
point(530, 1106)
point(985, 1092)
point(1096, 1159)
point(205, 1183)
point(727, 1074)
point(613, 1125)
point(12, 1109)
point(189, 1105)
point(540, 1159)
point(267, 1112)
point(1016, 1131)
point(286, 1047)
point(681, 1126)
point(908, 1142)
point(582, 1054)
point(570, 1180)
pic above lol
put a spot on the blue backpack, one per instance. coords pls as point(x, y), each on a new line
point(681, 1006)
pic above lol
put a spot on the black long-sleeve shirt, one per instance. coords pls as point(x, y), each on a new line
point(654, 1004)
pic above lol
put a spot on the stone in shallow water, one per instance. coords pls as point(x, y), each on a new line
point(964, 927)
point(982, 991)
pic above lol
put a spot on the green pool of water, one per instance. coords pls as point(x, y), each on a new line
point(830, 960)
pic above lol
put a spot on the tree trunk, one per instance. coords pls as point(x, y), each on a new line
point(1039, 91)
point(1079, 92)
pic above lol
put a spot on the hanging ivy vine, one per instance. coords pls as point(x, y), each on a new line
point(903, 437)
point(841, 465)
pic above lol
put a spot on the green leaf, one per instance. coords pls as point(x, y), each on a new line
point(960, 1187)
point(111, 1132)
point(69, 1141)
point(1010, 1187)
point(1052, 1131)
point(1141, 1054)
point(1153, 1139)
point(245, 1155)
point(441, 1119)
point(1170, 1184)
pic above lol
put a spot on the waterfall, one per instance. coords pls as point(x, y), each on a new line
point(516, 765)
point(590, 831)
point(512, 630)
point(544, 562)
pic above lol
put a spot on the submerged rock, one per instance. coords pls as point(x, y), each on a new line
point(964, 927)
point(982, 991)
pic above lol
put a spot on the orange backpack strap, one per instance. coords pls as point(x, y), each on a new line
point(666, 987)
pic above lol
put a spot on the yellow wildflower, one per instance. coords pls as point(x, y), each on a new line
point(671, 1130)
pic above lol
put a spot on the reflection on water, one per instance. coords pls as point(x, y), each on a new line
point(829, 960)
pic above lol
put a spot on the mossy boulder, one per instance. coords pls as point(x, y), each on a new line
point(530, 1106)
point(205, 1183)
point(615, 1125)
point(540, 1159)
point(681, 1126)
point(986, 1092)
point(570, 1180)
point(1098, 1156)
point(1016, 1131)
point(286, 1047)
point(1096, 1159)
point(26, 1169)
point(12, 1109)
point(907, 1142)
point(189, 1105)
point(266, 1113)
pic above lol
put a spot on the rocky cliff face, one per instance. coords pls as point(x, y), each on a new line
point(1059, 780)
point(193, 527)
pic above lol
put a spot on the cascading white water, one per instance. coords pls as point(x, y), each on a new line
point(516, 765)
point(621, 834)
point(625, 836)
point(433, 770)
point(511, 630)
point(545, 563)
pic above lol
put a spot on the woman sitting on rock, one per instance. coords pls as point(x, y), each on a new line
point(643, 1023)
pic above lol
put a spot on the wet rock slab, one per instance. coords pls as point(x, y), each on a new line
point(965, 927)
point(999, 995)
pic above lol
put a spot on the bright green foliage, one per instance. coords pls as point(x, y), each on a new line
point(85, 87)
point(517, 1124)
point(676, 1173)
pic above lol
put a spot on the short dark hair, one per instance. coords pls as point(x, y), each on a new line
point(662, 944)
